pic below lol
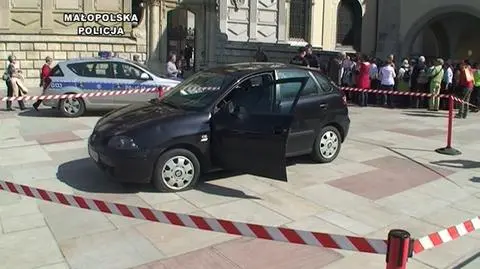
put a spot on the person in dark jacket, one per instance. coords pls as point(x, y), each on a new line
point(419, 81)
point(335, 69)
point(300, 59)
point(312, 59)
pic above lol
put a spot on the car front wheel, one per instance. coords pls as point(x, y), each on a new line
point(327, 145)
point(176, 170)
point(72, 107)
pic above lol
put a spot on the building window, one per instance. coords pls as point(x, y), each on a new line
point(137, 9)
point(349, 24)
point(299, 16)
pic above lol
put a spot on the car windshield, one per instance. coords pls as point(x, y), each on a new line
point(198, 92)
point(156, 73)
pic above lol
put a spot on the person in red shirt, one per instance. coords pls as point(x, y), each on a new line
point(363, 79)
point(466, 83)
point(44, 73)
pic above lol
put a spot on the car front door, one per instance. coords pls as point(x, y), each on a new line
point(129, 77)
point(310, 113)
point(248, 133)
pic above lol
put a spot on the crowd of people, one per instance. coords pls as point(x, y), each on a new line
point(437, 76)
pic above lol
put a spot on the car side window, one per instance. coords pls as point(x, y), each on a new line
point(254, 95)
point(289, 91)
point(102, 70)
point(324, 83)
point(93, 70)
point(126, 71)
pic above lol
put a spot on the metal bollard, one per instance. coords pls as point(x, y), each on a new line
point(399, 249)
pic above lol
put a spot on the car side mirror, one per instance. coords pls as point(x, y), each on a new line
point(144, 76)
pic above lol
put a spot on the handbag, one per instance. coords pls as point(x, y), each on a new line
point(5, 76)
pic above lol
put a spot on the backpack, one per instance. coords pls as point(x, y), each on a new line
point(422, 76)
point(407, 75)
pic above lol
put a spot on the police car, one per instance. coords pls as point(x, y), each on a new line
point(104, 73)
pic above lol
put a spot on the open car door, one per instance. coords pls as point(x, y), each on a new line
point(254, 142)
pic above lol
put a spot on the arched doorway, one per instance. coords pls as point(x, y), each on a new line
point(349, 24)
point(181, 37)
point(449, 33)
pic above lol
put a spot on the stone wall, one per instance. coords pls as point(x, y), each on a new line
point(31, 55)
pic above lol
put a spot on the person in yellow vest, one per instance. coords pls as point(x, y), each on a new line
point(436, 76)
point(475, 98)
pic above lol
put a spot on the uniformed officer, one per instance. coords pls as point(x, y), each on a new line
point(300, 59)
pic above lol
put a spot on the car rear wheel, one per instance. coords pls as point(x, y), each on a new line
point(176, 170)
point(327, 145)
point(72, 107)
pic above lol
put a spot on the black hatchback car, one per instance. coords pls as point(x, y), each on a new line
point(242, 117)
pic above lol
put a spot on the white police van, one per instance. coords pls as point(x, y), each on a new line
point(104, 73)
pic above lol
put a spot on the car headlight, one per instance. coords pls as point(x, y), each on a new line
point(122, 142)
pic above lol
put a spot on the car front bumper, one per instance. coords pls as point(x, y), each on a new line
point(123, 166)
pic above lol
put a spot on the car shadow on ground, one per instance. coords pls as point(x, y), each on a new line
point(54, 113)
point(83, 175)
point(475, 179)
point(466, 164)
point(426, 114)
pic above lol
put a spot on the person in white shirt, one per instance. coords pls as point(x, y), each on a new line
point(447, 83)
point(172, 71)
point(387, 77)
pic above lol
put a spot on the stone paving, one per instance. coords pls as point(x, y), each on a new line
point(387, 176)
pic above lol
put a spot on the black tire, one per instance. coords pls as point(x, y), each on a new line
point(73, 114)
point(332, 135)
point(160, 182)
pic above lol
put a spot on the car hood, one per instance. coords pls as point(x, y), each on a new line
point(131, 116)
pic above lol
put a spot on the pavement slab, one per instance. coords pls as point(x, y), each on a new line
point(117, 249)
point(387, 176)
point(256, 253)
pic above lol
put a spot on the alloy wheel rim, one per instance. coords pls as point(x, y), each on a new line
point(178, 172)
point(329, 144)
point(71, 106)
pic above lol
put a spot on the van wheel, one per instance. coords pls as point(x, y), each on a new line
point(176, 170)
point(327, 145)
point(72, 107)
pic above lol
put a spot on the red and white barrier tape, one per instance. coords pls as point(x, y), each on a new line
point(79, 95)
point(451, 233)
point(416, 94)
point(281, 234)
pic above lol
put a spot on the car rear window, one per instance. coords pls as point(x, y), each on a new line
point(56, 72)
point(324, 83)
point(88, 69)
point(289, 91)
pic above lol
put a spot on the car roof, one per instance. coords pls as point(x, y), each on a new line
point(96, 59)
point(243, 69)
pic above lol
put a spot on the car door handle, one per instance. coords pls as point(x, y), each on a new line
point(278, 130)
point(323, 106)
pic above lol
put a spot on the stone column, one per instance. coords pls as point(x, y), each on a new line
point(282, 22)
point(4, 14)
point(154, 30)
point(47, 16)
point(222, 15)
point(253, 19)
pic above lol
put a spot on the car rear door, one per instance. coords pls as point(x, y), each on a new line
point(248, 134)
point(311, 112)
point(94, 77)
